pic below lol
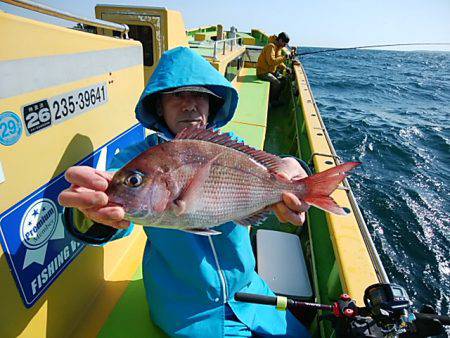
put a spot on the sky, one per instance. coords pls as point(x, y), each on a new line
point(317, 23)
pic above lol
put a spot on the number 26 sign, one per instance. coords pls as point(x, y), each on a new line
point(57, 109)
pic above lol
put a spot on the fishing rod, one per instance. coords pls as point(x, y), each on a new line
point(387, 313)
point(376, 46)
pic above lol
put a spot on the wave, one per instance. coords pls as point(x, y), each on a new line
point(390, 110)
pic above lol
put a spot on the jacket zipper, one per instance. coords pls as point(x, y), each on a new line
point(221, 275)
point(219, 269)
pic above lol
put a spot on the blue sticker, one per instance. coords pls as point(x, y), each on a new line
point(36, 245)
point(10, 128)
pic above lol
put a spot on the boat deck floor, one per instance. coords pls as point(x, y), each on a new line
point(250, 119)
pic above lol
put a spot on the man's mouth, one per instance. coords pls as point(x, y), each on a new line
point(192, 121)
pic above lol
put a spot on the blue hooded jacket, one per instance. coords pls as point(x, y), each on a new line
point(188, 278)
point(180, 67)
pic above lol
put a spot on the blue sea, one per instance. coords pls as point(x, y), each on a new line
point(391, 111)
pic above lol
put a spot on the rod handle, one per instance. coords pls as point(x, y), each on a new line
point(257, 299)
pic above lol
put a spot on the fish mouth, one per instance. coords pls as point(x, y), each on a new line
point(114, 204)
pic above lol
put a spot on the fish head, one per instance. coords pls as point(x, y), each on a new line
point(143, 194)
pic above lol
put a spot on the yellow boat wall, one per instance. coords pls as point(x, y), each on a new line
point(149, 25)
point(355, 267)
point(48, 75)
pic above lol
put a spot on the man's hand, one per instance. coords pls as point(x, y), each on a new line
point(291, 209)
point(87, 193)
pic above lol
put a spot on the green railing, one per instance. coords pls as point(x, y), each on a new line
point(260, 37)
point(204, 29)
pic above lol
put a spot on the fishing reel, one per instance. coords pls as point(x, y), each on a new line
point(390, 307)
point(387, 313)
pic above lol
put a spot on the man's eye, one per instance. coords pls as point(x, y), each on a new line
point(200, 95)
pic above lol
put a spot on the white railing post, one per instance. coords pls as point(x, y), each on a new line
point(233, 42)
point(215, 50)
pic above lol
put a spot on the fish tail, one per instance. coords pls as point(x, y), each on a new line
point(319, 187)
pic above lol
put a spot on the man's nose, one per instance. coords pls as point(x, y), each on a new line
point(189, 103)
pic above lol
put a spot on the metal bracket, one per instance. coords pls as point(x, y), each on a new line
point(334, 157)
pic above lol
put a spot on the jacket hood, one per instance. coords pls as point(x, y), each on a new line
point(181, 67)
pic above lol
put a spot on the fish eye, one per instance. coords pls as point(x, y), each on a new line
point(134, 180)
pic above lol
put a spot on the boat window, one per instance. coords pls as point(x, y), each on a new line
point(144, 34)
point(233, 68)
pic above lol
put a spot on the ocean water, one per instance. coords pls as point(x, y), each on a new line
point(391, 111)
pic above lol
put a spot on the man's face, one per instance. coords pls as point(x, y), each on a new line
point(185, 109)
point(281, 43)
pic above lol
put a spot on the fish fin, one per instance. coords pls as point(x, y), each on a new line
point(202, 231)
point(178, 207)
point(319, 186)
point(254, 219)
point(189, 196)
point(327, 204)
point(270, 161)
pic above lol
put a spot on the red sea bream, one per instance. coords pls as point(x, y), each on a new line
point(203, 178)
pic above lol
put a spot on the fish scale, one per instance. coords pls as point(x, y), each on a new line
point(228, 190)
point(203, 179)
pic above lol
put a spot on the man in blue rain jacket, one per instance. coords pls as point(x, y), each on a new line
point(190, 280)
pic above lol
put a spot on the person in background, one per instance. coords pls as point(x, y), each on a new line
point(190, 280)
point(271, 63)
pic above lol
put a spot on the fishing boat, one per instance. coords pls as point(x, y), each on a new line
point(58, 85)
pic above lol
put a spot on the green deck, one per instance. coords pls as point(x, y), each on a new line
point(130, 317)
point(250, 119)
